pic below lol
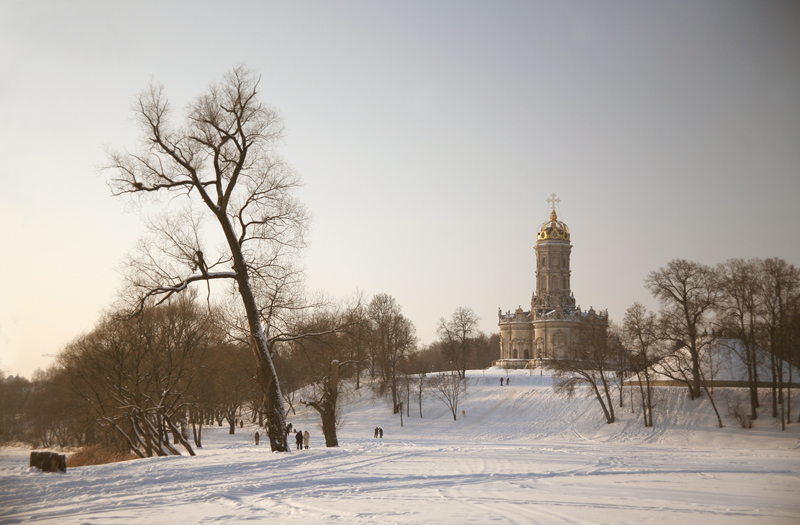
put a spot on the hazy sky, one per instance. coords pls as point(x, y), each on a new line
point(428, 135)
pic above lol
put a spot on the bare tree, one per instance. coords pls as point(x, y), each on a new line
point(322, 361)
point(779, 290)
point(450, 388)
point(597, 358)
point(222, 163)
point(641, 346)
point(458, 332)
point(738, 311)
point(135, 374)
point(393, 338)
point(325, 402)
point(687, 292)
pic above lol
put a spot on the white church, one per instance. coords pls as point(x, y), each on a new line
point(550, 329)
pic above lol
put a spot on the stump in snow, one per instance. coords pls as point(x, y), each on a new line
point(48, 461)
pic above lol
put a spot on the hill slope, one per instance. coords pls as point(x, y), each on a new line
point(530, 411)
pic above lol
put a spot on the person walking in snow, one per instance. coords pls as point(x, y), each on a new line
point(501, 381)
point(380, 432)
point(298, 438)
point(376, 432)
point(306, 438)
point(258, 436)
point(508, 381)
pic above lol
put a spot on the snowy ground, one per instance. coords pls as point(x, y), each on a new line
point(522, 454)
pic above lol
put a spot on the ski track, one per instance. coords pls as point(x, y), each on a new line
point(522, 454)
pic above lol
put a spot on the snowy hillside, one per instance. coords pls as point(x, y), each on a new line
point(520, 454)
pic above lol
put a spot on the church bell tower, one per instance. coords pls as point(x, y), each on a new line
point(553, 249)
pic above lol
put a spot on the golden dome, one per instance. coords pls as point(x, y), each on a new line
point(553, 229)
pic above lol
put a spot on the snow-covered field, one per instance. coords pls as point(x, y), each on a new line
point(521, 454)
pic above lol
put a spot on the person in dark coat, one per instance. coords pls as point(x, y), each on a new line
point(508, 381)
point(258, 436)
point(376, 431)
point(298, 438)
point(501, 381)
point(380, 432)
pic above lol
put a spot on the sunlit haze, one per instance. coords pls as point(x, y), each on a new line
point(428, 135)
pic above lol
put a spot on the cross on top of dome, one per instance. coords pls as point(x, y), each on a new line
point(553, 229)
point(552, 200)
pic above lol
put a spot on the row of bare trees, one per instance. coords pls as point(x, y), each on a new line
point(138, 384)
point(753, 305)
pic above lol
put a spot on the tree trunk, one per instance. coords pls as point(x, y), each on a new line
point(421, 379)
point(644, 399)
point(599, 396)
point(393, 378)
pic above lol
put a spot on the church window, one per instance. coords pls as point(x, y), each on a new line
point(515, 353)
point(527, 354)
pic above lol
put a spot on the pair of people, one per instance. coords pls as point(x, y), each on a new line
point(378, 432)
point(508, 381)
point(302, 438)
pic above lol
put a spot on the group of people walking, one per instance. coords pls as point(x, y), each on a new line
point(302, 438)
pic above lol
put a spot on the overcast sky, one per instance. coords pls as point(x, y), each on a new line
point(428, 136)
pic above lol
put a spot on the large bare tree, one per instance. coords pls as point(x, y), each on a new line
point(221, 162)
point(688, 293)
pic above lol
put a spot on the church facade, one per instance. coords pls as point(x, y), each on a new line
point(551, 328)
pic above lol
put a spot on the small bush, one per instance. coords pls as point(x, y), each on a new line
point(97, 455)
point(737, 410)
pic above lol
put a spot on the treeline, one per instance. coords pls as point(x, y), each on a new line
point(755, 302)
point(148, 384)
point(145, 384)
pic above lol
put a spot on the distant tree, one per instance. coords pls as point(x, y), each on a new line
point(135, 375)
point(321, 360)
point(487, 349)
point(457, 333)
point(325, 402)
point(779, 291)
point(357, 338)
point(14, 394)
point(221, 163)
point(595, 361)
point(738, 311)
point(450, 389)
point(688, 294)
point(393, 339)
point(421, 385)
point(232, 384)
point(642, 349)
